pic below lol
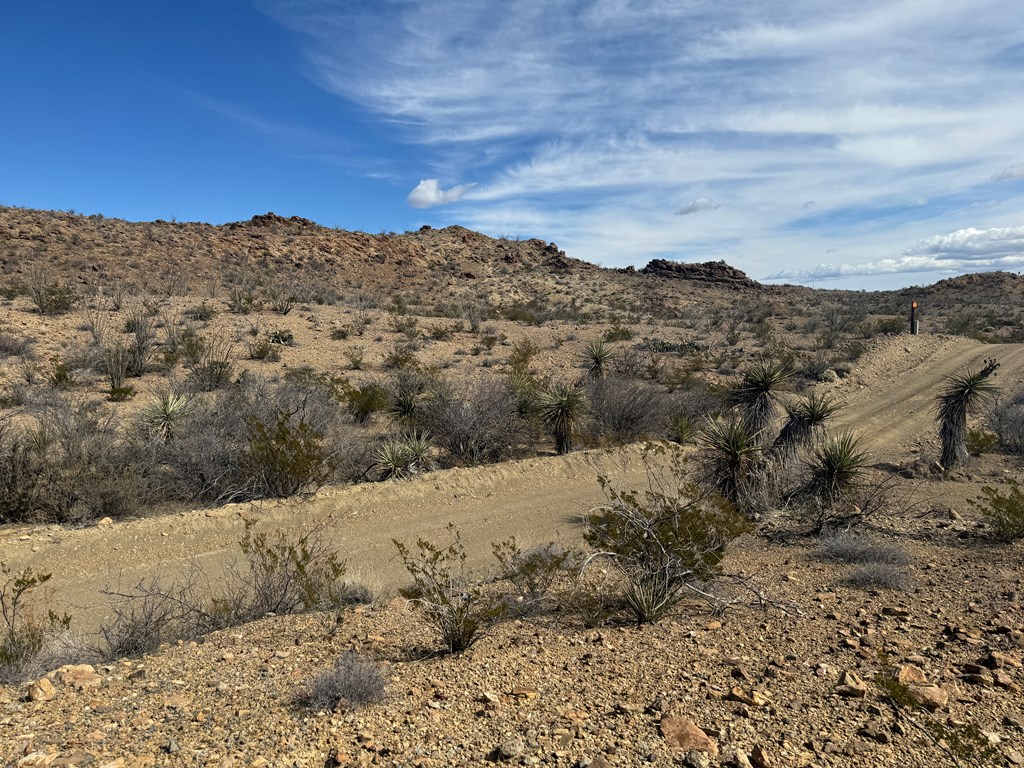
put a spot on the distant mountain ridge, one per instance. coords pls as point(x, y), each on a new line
point(439, 265)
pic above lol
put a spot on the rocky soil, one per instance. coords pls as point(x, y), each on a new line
point(793, 679)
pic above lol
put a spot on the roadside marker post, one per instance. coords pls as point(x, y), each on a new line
point(913, 318)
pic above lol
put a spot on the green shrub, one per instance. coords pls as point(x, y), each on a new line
point(62, 375)
point(210, 363)
point(1004, 512)
point(890, 326)
point(523, 351)
point(202, 312)
point(50, 297)
point(980, 441)
point(25, 634)
point(120, 394)
point(264, 349)
point(454, 606)
point(285, 457)
point(664, 540)
point(401, 357)
point(365, 401)
point(534, 571)
point(618, 333)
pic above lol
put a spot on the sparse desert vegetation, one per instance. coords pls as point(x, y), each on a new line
point(272, 493)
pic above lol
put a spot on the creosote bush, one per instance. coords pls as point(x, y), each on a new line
point(29, 639)
point(454, 606)
point(533, 572)
point(1004, 512)
point(286, 456)
point(665, 540)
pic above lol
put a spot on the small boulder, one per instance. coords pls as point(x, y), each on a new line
point(683, 733)
point(852, 686)
point(931, 697)
point(41, 690)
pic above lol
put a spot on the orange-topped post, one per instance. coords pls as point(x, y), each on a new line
point(913, 318)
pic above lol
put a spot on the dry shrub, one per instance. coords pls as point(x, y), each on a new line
point(624, 410)
point(879, 576)
point(279, 574)
point(477, 425)
point(353, 682)
point(255, 439)
point(70, 466)
point(850, 548)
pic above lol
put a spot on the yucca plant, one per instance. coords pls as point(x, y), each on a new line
point(163, 415)
point(757, 395)
point(526, 391)
point(562, 408)
point(598, 357)
point(403, 457)
point(733, 459)
point(805, 423)
point(961, 395)
point(836, 467)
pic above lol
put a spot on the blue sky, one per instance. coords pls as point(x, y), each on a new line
point(870, 144)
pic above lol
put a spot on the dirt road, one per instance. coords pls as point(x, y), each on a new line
point(535, 500)
point(889, 400)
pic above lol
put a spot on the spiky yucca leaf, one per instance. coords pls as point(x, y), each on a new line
point(757, 394)
point(732, 457)
point(161, 417)
point(805, 422)
point(961, 394)
point(837, 466)
point(562, 408)
point(597, 357)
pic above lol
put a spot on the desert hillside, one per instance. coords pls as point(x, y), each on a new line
point(173, 392)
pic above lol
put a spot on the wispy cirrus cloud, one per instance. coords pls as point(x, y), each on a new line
point(573, 120)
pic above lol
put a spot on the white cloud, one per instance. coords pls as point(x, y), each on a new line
point(591, 118)
point(1011, 172)
point(699, 205)
point(973, 244)
point(966, 250)
point(428, 193)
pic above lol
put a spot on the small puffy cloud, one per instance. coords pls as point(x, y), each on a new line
point(699, 205)
point(1012, 172)
point(428, 193)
